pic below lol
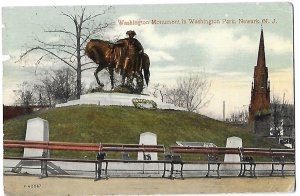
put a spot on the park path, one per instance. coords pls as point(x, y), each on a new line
point(32, 185)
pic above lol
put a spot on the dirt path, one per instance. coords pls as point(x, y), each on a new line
point(31, 185)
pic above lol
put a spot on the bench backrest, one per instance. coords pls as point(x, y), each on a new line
point(84, 146)
point(246, 154)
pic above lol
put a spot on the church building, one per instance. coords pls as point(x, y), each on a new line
point(259, 109)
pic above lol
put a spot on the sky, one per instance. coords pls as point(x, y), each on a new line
point(226, 50)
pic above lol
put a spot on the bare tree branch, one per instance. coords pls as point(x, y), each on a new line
point(96, 15)
point(87, 63)
point(48, 51)
point(60, 31)
point(56, 45)
point(89, 68)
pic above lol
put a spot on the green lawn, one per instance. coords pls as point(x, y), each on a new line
point(113, 124)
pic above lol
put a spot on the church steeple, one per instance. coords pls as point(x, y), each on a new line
point(261, 60)
point(260, 91)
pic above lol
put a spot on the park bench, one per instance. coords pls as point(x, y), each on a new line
point(101, 156)
point(246, 162)
point(172, 159)
point(125, 149)
point(278, 157)
point(211, 153)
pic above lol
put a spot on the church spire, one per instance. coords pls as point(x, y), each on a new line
point(261, 61)
point(260, 91)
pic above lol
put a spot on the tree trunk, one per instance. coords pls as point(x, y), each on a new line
point(78, 35)
point(78, 83)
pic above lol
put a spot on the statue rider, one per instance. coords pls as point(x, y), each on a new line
point(134, 52)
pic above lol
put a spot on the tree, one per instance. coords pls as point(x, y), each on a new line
point(63, 85)
point(278, 110)
point(71, 50)
point(289, 124)
point(42, 98)
point(58, 86)
point(239, 117)
point(159, 91)
point(25, 95)
point(190, 92)
point(45, 91)
point(282, 117)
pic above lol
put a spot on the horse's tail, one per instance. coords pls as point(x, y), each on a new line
point(146, 66)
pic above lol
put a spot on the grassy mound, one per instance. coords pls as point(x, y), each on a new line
point(113, 124)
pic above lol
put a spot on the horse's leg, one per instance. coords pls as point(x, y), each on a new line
point(130, 80)
point(111, 75)
point(123, 72)
point(139, 82)
point(99, 68)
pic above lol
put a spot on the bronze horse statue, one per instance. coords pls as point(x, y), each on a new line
point(108, 55)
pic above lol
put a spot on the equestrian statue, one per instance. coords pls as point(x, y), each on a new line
point(126, 56)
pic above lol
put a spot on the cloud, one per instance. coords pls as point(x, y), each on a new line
point(233, 74)
point(217, 44)
point(162, 41)
point(119, 31)
point(221, 43)
point(159, 55)
point(54, 39)
point(278, 45)
point(148, 33)
point(30, 60)
point(282, 82)
point(155, 45)
point(5, 58)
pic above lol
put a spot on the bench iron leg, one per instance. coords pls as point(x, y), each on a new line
point(218, 169)
point(164, 170)
point(208, 169)
point(44, 169)
point(241, 170)
point(106, 176)
point(251, 170)
point(172, 171)
point(243, 174)
point(282, 171)
point(181, 172)
point(96, 173)
point(272, 169)
point(98, 168)
point(254, 167)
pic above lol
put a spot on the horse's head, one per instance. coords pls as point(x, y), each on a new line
point(89, 49)
point(95, 49)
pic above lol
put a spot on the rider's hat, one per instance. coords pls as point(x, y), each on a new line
point(130, 33)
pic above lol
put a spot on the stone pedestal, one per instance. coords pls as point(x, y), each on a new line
point(37, 130)
point(118, 99)
point(148, 139)
point(232, 142)
point(262, 125)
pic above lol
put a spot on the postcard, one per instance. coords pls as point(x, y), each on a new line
point(132, 99)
